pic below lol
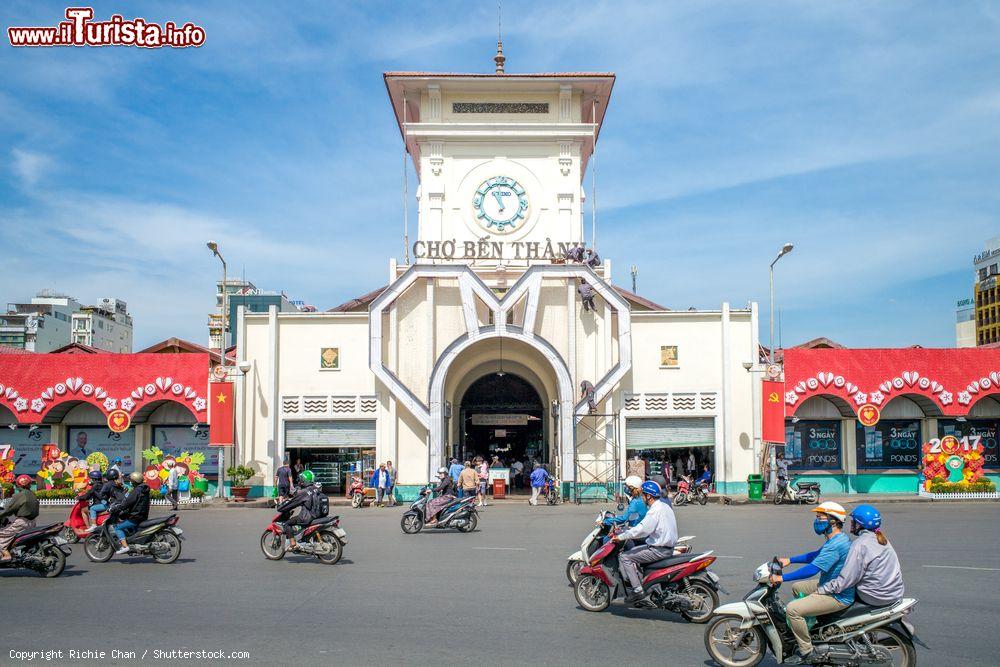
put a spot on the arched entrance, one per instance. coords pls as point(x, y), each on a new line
point(502, 415)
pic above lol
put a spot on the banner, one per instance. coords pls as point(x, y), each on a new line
point(27, 447)
point(773, 417)
point(221, 410)
point(175, 440)
point(87, 440)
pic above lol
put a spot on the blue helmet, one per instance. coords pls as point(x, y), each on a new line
point(117, 459)
point(651, 489)
point(867, 517)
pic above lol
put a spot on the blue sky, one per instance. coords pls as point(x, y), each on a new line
point(866, 133)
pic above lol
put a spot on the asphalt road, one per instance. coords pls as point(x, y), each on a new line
point(496, 596)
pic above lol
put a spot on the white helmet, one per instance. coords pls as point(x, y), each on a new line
point(836, 510)
point(633, 481)
point(442, 471)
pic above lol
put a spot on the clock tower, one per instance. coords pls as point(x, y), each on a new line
point(500, 159)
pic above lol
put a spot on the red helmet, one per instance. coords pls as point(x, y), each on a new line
point(23, 481)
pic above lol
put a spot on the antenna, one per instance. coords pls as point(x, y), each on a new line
point(635, 275)
point(499, 59)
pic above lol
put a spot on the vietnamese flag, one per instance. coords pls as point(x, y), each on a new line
point(773, 409)
point(220, 414)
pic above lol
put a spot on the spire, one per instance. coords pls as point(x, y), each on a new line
point(499, 58)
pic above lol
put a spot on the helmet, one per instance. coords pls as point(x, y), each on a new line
point(95, 476)
point(633, 481)
point(135, 477)
point(306, 477)
point(831, 509)
point(867, 517)
point(117, 459)
point(23, 481)
point(444, 471)
point(112, 475)
point(651, 489)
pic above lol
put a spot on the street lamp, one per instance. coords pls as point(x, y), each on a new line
point(785, 249)
point(214, 247)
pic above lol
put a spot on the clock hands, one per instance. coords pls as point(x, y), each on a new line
point(499, 197)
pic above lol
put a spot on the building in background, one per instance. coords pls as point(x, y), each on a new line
point(254, 300)
point(106, 326)
point(42, 325)
point(965, 323)
point(987, 293)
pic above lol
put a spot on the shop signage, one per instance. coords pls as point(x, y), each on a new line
point(500, 420)
point(868, 415)
point(487, 249)
point(119, 421)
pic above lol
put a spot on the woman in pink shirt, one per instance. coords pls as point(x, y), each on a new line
point(483, 475)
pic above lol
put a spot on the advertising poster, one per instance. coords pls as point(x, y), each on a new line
point(27, 447)
point(89, 439)
point(985, 429)
point(813, 445)
point(889, 444)
point(173, 440)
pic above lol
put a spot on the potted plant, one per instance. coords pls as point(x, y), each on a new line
point(238, 476)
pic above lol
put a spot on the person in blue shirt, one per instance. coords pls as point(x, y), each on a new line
point(454, 471)
point(539, 478)
point(636, 509)
point(706, 476)
point(827, 562)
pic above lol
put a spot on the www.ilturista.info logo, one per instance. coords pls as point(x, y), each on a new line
point(81, 30)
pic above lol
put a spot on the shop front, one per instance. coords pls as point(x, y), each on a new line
point(670, 446)
point(333, 450)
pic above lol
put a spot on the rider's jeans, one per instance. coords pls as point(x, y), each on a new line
point(629, 561)
point(124, 528)
point(96, 509)
point(811, 605)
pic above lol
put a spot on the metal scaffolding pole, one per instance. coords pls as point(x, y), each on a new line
point(597, 478)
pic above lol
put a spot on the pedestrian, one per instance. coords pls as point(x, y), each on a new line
point(380, 482)
point(467, 481)
point(518, 474)
point(392, 483)
point(283, 481)
point(454, 471)
point(297, 470)
point(539, 477)
point(692, 464)
point(587, 295)
point(587, 391)
point(173, 483)
point(483, 476)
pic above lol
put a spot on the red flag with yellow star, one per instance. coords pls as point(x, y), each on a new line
point(220, 415)
point(773, 419)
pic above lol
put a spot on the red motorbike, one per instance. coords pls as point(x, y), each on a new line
point(683, 495)
point(679, 583)
point(358, 493)
point(75, 529)
point(322, 538)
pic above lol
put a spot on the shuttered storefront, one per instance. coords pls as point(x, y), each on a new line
point(661, 433)
point(358, 433)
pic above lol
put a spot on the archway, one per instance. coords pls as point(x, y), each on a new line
point(504, 416)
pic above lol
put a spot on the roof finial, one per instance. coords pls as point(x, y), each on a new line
point(499, 58)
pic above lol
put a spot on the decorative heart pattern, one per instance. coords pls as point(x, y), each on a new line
point(825, 378)
point(11, 394)
point(99, 393)
point(995, 377)
point(935, 387)
point(189, 392)
point(163, 383)
point(973, 387)
point(47, 394)
point(886, 387)
point(801, 387)
point(74, 384)
point(137, 393)
point(851, 388)
point(910, 377)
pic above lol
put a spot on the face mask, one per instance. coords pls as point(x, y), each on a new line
point(821, 526)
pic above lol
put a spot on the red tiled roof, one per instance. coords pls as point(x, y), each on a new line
point(4, 349)
point(358, 302)
point(78, 348)
point(635, 298)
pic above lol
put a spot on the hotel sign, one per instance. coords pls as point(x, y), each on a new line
point(487, 249)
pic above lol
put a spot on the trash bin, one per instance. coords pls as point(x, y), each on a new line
point(201, 484)
point(499, 489)
point(755, 487)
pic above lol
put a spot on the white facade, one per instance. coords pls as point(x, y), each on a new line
point(106, 326)
point(485, 296)
point(40, 326)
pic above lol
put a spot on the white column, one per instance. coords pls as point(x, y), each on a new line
point(276, 442)
point(724, 457)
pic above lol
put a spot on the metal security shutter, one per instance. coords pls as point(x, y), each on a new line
point(339, 433)
point(649, 433)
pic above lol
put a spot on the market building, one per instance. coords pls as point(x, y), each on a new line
point(484, 335)
point(921, 394)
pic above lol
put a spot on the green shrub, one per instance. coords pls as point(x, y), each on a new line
point(982, 485)
point(239, 475)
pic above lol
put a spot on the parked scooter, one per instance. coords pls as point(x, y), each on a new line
point(550, 491)
point(75, 528)
point(39, 549)
point(805, 492)
point(322, 538)
point(159, 538)
point(358, 493)
point(741, 633)
point(683, 495)
point(681, 584)
point(595, 538)
point(460, 513)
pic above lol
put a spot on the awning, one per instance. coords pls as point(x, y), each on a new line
point(330, 433)
point(669, 433)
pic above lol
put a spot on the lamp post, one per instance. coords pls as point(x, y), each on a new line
point(214, 247)
point(785, 249)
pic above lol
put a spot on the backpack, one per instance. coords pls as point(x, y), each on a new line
point(320, 505)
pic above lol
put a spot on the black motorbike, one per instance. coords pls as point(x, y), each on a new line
point(39, 549)
point(159, 538)
point(460, 513)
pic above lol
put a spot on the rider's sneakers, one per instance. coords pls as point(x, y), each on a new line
point(799, 658)
point(121, 550)
point(91, 529)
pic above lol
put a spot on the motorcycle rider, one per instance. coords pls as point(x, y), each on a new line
point(659, 527)
point(113, 490)
point(304, 499)
point(872, 567)
point(131, 511)
point(116, 465)
point(827, 562)
point(636, 510)
point(23, 506)
point(93, 496)
point(446, 493)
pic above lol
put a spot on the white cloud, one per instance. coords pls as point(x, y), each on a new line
point(29, 166)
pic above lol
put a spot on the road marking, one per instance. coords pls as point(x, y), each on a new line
point(501, 548)
point(734, 557)
point(964, 567)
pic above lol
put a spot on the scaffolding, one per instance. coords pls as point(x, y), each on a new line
point(598, 476)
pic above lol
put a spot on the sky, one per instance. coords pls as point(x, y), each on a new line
point(866, 133)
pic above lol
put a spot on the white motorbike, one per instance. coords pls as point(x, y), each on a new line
point(741, 633)
point(595, 538)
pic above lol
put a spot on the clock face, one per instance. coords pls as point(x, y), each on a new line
point(501, 204)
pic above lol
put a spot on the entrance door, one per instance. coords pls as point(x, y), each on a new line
point(332, 449)
point(502, 415)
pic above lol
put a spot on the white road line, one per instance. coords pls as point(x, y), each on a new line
point(735, 557)
point(963, 567)
point(501, 548)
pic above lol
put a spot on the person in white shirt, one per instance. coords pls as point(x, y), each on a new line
point(173, 483)
point(659, 527)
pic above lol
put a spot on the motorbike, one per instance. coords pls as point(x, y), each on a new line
point(359, 493)
point(75, 529)
point(741, 633)
point(40, 549)
point(595, 538)
point(460, 513)
point(683, 495)
point(550, 492)
point(680, 583)
point(805, 492)
point(159, 538)
point(322, 538)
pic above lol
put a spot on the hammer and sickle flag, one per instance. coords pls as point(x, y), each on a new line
point(773, 408)
point(220, 414)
